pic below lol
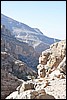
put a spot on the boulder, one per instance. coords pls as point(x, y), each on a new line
point(25, 86)
point(46, 52)
point(43, 60)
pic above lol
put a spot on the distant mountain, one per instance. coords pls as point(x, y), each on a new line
point(33, 36)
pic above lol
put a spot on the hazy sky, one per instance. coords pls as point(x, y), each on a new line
point(48, 16)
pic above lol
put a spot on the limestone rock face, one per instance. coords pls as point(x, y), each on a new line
point(59, 48)
point(53, 58)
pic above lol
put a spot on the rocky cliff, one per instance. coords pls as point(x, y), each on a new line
point(19, 50)
point(12, 69)
point(51, 80)
point(53, 58)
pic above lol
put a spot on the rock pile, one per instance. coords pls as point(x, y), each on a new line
point(43, 89)
point(27, 91)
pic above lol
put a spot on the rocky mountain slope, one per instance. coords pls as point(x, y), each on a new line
point(20, 50)
point(12, 69)
point(51, 80)
point(19, 60)
point(15, 66)
point(33, 36)
point(52, 58)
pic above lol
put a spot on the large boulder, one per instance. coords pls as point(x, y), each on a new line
point(41, 72)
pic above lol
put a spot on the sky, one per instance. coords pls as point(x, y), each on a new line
point(48, 16)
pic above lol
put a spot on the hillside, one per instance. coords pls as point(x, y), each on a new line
point(12, 69)
point(19, 50)
point(32, 65)
point(24, 33)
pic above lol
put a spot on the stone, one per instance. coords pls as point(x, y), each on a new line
point(28, 94)
point(43, 60)
point(4, 55)
point(46, 52)
point(26, 86)
point(39, 66)
point(62, 76)
point(41, 72)
point(41, 85)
